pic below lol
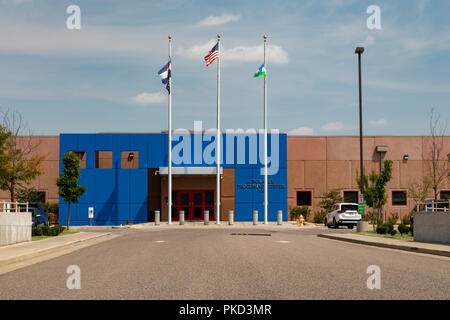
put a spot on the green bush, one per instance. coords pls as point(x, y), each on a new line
point(403, 229)
point(385, 228)
point(411, 229)
point(36, 231)
point(58, 229)
point(382, 229)
point(297, 211)
point(47, 231)
point(319, 216)
point(52, 232)
point(393, 232)
point(393, 218)
point(389, 227)
point(379, 221)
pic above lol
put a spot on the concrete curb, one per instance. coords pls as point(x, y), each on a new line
point(388, 245)
point(99, 228)
point(41, 252)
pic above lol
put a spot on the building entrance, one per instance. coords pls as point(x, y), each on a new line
point(193, 203)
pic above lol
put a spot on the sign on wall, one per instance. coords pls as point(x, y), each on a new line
point(259, 185)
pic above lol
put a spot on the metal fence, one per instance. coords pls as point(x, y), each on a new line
point(13, 207)
point(434, 206)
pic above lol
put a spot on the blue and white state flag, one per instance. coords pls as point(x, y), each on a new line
point(165, 74)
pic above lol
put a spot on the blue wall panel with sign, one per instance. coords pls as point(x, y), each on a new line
point(120, 195)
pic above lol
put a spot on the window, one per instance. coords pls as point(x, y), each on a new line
point(399, 198)
point(349, 207)
point(82, 156)
point(445, 195)
point(41, 196)
point(103, 159)
point(130, 159)
point(351, 196)
point(304, 198)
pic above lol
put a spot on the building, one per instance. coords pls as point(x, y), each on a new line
point(126, 174)
point(126, 177)
point(319, 164)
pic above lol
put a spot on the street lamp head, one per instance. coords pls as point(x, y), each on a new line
point(359, 50)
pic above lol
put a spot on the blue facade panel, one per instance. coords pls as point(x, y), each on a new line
point(120, 195)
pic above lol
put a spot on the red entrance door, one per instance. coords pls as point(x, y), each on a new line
point(193, 203)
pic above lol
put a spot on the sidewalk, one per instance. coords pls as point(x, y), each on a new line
point(27, 250)
point(412, 246)
point(289, 225)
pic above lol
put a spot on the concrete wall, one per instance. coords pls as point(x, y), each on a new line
point(15, 227)
point(432, 227)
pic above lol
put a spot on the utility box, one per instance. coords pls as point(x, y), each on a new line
point(432, 227)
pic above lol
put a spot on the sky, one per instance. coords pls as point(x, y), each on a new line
point(103, 77)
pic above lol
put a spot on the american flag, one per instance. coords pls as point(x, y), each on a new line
point(212, 55)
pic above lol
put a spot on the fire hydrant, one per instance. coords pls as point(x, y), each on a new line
point(301, 219)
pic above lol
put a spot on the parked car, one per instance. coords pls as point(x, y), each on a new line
point(38, 215)
point(343, 214)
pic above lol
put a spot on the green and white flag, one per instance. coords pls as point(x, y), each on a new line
point(261, 72)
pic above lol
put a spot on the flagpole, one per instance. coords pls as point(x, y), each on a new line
point(265, 138)
point(169, 176)
point(218, 136)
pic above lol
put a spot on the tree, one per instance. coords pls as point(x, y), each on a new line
point(330, 199)
point(375, 194)
point(4, 157)
point(437, 166)
point(67, 183)
point(30, 195)
point(419, 191)
point(19, 166)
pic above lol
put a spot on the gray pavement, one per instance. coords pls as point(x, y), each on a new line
point(213, 264)
point(413, 246)
point(22, 254)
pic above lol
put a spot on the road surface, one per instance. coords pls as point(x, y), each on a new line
point(214, 264)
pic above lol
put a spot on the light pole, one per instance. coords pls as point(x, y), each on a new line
point(359, 51)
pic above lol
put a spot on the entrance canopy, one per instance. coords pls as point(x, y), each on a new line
point(190, 170)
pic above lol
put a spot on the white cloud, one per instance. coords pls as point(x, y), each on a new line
point(146, 98)
point(218, 20)
point(197, 51)
point(378, 123)
point(19, 1)
point(93, 40)
point(368, 42)
point(333, 126)
point(302, 131)
point(275, 54)
point(409, 87)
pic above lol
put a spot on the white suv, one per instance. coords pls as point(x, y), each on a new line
point(343, 214)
